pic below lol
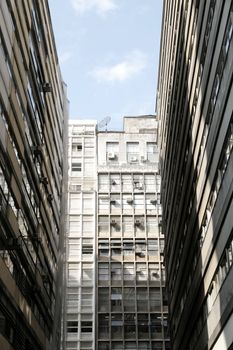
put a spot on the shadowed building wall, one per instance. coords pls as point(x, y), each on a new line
point(194, 104)
point(33, 113)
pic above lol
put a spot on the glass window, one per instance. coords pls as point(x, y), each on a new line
point(87, 247)
point(143, 328)
point(73, 272)
point(150, 183)
point(116, 272)
point(128, 226)
point(154, 272)
point(73, 300)
point(115, 183)
point(141, 273)
point(103, 225)
point(128, 247)
point(115, 225)
point(152, 152)
point(140, 247)
point(103, 346)
point(103, 247)
point(156, 326)
point(138, 182)
point(72, 327)
point(152, 226)
point(151, 202)
point(104, 203)
point(115, 203)
point(117, 345)
point(86, 302)
point(129, 274)
point(142, 299)
point(112, 152)
point(103, 272)
point(86, 326)
point(74, 248)
point(152, 247)
point(116, 247)
point(127, 183)
point(76, 167)
point(88, 202)
point(86, 345)
point(89, 165)
point(103, 183)
point(155, 299)
point(89, 147)
point(87, 273)
point(88, 226)
point(75, 206)
point(103, 299)
point(139, 202)
point(76, 147)
point(132, 152)
point(74, 225)
point(103, 326)
point(130, 327)
point(117, 326)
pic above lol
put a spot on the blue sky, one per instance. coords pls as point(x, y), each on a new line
point(109, 54)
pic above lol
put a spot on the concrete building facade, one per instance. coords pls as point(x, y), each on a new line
point(33, 113)
point(79, 316)
point(194, 104)
point(127, 303)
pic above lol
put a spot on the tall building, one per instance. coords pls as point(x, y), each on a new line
point(115, 275)
point(33, 109)
point(79, 314)
point(194, 104)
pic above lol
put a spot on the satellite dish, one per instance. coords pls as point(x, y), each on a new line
point(104, 123)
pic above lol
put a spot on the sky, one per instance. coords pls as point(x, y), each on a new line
point(109, 55)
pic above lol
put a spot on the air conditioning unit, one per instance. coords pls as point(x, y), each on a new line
point(155, 274)
point(133, 159)
point(113, 182)
point(113, 222)
point(111, 155)
point(47, 87)
point(139, 185)
point(140, 254)
point(129, 200)
point(153, 201)
point(112, 201)
point(138, 222)
point(143, 159)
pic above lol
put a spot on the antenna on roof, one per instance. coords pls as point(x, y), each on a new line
point(104, 123)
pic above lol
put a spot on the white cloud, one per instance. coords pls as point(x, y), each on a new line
point(101, 6)
point(133, 63)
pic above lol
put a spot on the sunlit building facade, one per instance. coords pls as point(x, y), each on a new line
point(130, 280)
point(194, 104)
point(79, 314)
point(115, 275)
point(33, 114)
